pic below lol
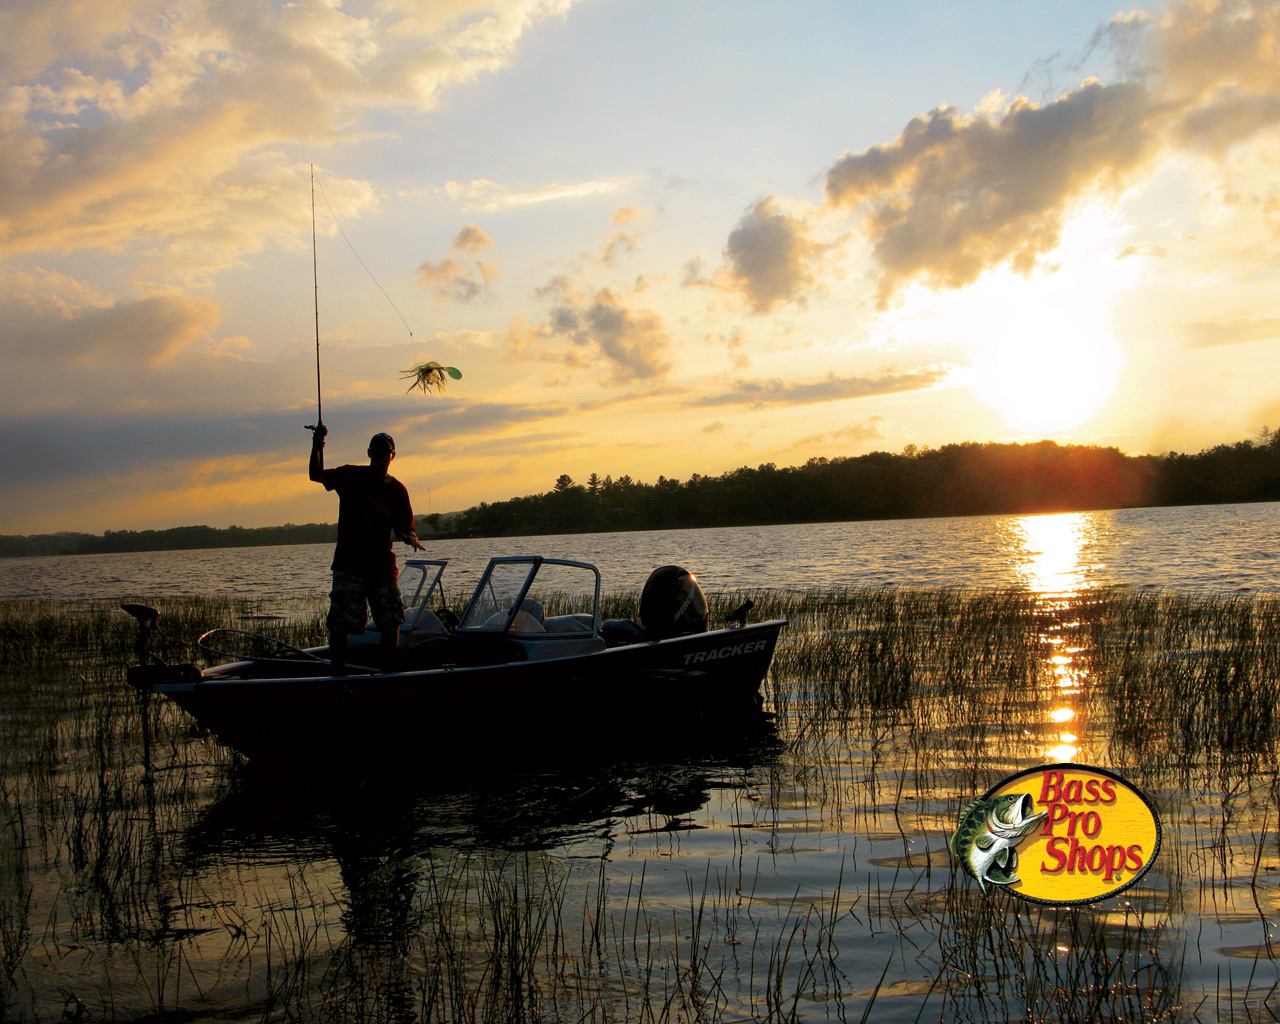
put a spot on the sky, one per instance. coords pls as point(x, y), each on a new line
point(657, 237)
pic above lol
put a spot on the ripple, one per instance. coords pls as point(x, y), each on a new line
point(1211, 548)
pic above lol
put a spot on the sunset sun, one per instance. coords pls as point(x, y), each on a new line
point(1048, 372)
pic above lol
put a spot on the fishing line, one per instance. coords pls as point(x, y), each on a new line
point(362, 263)
point(430, 375)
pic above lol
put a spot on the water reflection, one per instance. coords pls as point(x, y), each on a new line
point(1050, 551)
point(1138, 547)
point(1049, 555)
point(423, 890)
point(375, 815)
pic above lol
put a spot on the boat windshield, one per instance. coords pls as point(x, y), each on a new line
point(420, 586)
point(524, 595)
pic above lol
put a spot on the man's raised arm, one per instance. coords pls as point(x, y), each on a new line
point(316, 469)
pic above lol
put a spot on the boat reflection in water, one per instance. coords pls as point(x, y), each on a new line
point(507, 798)
point(440, 870)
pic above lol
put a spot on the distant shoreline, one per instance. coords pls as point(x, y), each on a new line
point(326, 533)
point(955, 480)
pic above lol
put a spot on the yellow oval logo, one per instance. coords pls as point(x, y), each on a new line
point(1059, 834)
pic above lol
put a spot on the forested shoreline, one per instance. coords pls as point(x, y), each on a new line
point(953, 480)
point(178, 538)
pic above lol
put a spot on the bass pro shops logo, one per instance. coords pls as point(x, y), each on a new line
point(1060, 834)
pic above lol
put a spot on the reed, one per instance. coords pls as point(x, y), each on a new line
point(120, 898)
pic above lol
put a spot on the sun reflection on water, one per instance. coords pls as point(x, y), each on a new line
point(1047, 555)
point(1050, 550)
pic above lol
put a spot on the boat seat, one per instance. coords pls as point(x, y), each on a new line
point(577, 623)
point(522, 623)
point(619, 632)
point(528, 619)
point(553, 647)
point(427, 624)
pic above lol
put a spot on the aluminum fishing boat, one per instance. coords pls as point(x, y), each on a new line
point(507, 667)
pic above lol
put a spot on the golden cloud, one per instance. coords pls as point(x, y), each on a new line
point(955, 194)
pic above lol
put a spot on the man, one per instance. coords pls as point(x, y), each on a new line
point(372, 507)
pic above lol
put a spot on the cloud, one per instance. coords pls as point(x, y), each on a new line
point(734, 346)
point(768, 257)
point(635, 342)
point(461, 276)
point(448, 423)
point(48, 318)
point(956, 194)
point(88, 472)
point(629, 224)
point(490, 197)
point(33, 36)
point(856, 433)
point(127, 121)
point(49, 449)
point(632, 344)
point(830, 389)
point(1210, 334)
point(615, 400)
point(472, 240)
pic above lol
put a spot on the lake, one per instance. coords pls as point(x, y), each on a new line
point(1220, 548)
point(794, 870)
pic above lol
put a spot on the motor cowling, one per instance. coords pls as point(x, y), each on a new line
point(672, 603)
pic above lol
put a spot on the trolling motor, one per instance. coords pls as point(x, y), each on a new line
point(146, 617)
point(150, 668)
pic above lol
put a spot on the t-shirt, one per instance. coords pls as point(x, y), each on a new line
point(370, 510)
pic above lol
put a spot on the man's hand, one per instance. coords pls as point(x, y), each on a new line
point(315, 467)
point(410, 537)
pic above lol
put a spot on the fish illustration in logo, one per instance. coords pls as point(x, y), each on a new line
point(989, 831)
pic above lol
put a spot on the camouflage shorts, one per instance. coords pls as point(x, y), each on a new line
point(347, 602)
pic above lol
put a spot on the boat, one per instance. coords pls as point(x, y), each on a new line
point(507, 668)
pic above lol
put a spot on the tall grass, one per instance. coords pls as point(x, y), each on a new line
point(822, 889)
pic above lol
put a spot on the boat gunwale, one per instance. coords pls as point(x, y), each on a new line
point(223, 678)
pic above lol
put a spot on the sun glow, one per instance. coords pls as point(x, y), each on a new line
point(1049, 371)
point(1046, 358)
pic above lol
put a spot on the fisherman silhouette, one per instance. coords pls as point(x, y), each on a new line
point(373, 506)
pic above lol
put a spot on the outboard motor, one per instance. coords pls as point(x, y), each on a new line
point(672, 604)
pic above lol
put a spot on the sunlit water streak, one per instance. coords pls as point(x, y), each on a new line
point(1224, 548)
point(1055, 556)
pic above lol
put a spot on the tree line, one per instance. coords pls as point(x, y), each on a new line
point(177, 538)
point(953, 480)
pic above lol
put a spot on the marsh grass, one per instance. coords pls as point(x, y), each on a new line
point(1189, 683)
point(822, 889)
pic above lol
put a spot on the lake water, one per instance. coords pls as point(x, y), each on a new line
point(1203, 548)
point(799, 875)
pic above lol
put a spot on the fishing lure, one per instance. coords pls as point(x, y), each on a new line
point(429, 376)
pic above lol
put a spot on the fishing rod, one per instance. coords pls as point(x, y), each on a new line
point(315, 280)
point(429, 376)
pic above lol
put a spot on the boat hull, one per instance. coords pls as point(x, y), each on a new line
point(687, 682)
